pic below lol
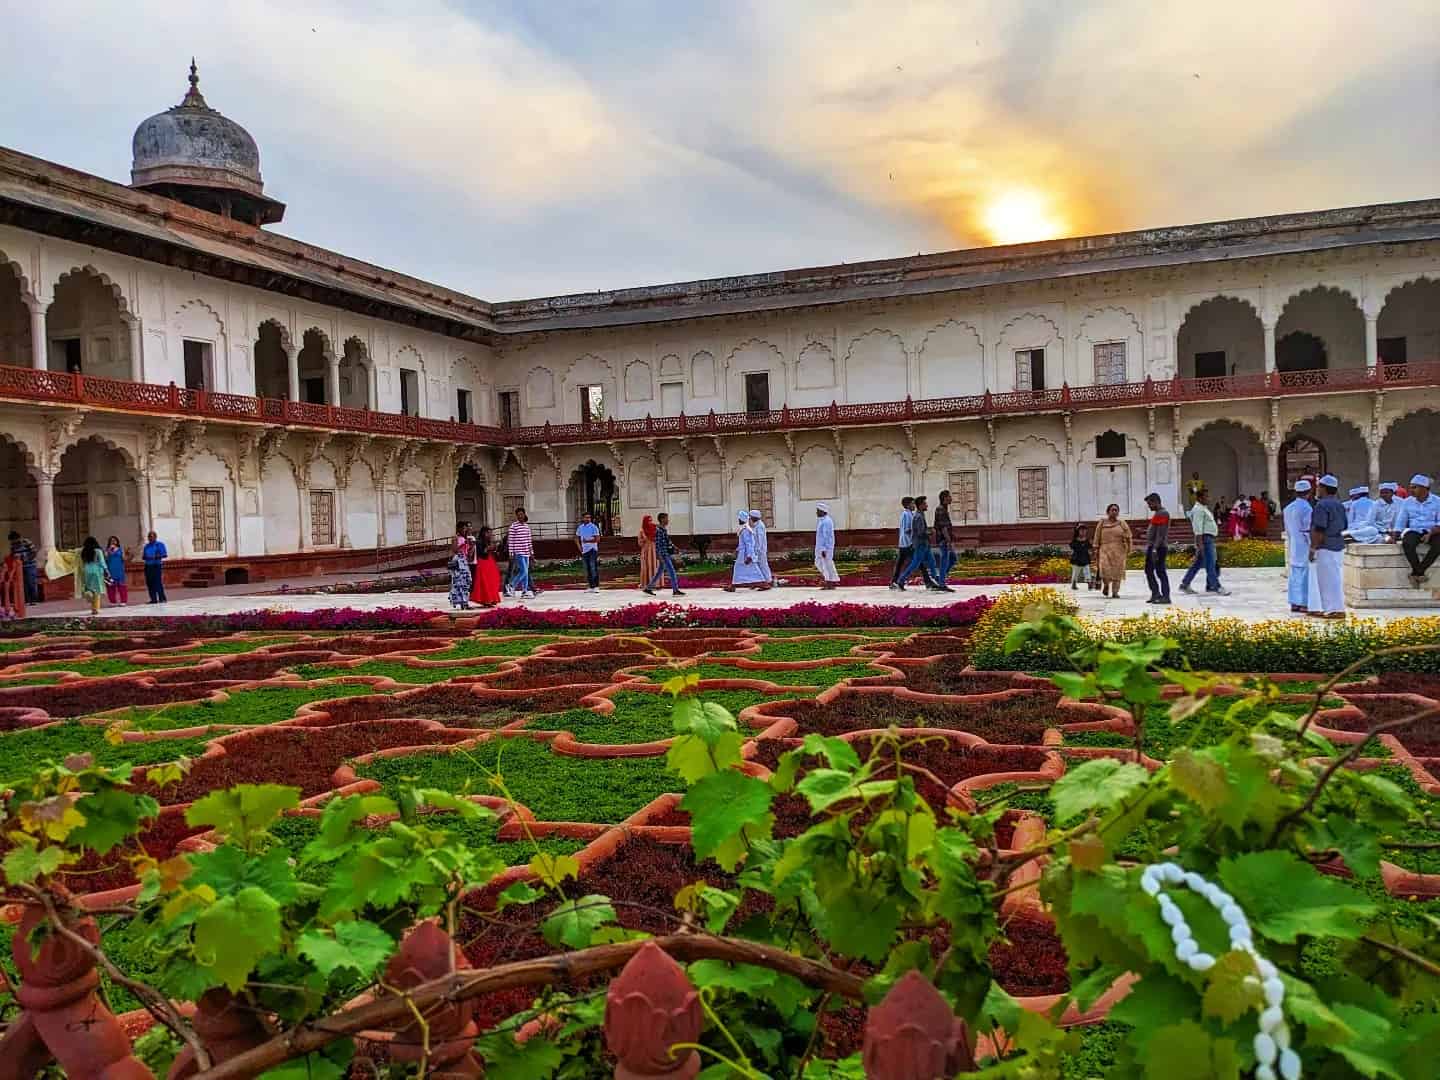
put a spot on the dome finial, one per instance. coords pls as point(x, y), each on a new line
point(193, 98)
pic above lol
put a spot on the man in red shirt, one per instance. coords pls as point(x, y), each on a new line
point(1157, 549)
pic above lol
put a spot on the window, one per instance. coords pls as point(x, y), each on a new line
point(509, 408)
point(197, 365)
point(757, 391)
point(70, 350)
point(414, 516)
point(1029, 369)
point(322, 518)
point(73, 510)
point(205, 520)
point(1210, 365)
point(1109, 444)
point(1034, 488)
point(462, 407)
point(672, 398)
point(510, 503)
point(1110, 363)
point(592, 404)
point(760, 495)
point(312, 391)
point(410, 392)
point(1392, 350)
point(964, 487)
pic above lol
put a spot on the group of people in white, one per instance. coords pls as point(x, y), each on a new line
point(1318, 525)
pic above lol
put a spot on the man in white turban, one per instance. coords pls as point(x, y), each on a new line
point(825, 547)
point(1327, 548)
point(762, 545)
point(747, 568)
point(1297, 542)
point(1418, 522)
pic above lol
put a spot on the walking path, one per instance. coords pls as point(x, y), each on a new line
point(1257, 595)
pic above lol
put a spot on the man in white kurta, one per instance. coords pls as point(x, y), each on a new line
point(1297, 546)
point(825, 547)
point(1327, 548)
point(747, 569)
point(1360, 516)
point(762, 545)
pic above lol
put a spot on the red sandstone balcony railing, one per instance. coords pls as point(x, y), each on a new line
point(29, 384)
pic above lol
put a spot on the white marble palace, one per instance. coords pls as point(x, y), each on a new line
point(168, 362)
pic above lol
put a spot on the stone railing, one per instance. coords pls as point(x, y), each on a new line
point(424, 1016)
point(34, 385)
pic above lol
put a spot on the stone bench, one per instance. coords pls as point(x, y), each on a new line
point(1378, 575)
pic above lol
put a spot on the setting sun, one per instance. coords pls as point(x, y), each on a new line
point(1019, 216)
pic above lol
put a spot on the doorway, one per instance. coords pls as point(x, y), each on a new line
point(1300, 456)
point(677, 505)
point(1112, 485)
point(72, 509)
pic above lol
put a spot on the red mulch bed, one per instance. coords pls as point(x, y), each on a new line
point(245, 668)
point(453, 705)
point(642, 879)
point(598, 646)
point(1033, 962)
point(957, 643)
point(303, 757)
point(1018, 721)
point(1421, 738)
point(1404, 682)
point(367, 646)
point(97, 695)
point(947, 675)
point(540, 673)
point(113, 871)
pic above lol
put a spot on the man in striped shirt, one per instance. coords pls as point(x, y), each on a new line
point(521, 547)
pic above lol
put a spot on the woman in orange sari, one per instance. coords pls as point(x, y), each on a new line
point(649, 563)
point(486, 588)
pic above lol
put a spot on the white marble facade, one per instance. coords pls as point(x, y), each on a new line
point(275, 491)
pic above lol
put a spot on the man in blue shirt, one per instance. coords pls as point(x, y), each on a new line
point(902, 556)
point(1327, 548)
point(664, 555)
point(1418, 522)
point(587, 539)
point(153, 555)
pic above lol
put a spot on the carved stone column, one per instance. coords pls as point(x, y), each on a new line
point(137, 350)
point(1372, 341)
point(45, 493)
point(1269, 347)
point(39, 345)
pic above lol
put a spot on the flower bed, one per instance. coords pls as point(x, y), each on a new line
point(1018, 719)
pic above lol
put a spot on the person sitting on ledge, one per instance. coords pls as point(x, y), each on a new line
point(1418, 522)
point(1360, 515)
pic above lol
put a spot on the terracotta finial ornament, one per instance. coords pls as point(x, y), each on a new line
point(427, 953)
point(57, 988)
point(650, 1007)
point(914, 1035)
point(226, 1027)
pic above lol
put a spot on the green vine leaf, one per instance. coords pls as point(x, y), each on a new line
point(1095, 785)
point(241, 814)
point(1285, 897)
point(26, 863)
point(1200, 778)
point(1232, 988)
point(553, 869)
point(575, 921)
point(234, 933)
point(506, 1059)
point(1186, 1051)
point(721, 808)
point(694, 759)
point(357, 945)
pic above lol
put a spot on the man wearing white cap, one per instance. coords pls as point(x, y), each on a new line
point(1360, 514)
point(1297, 541)
point(1384, 511)
point(1418, 522)
point(762, 545)
point(1327, 549)
point(825, 547)
point(747, 569)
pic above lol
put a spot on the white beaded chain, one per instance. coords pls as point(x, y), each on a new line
point(1272, 1043)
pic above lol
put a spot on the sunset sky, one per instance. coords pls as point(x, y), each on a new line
point(513, 149)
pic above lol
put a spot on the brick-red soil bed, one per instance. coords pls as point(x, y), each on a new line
point(587, 646)
point(947, 675)
point(957, 644)
point(1421, 738)
point(241, 668)
point(1019, 721)
point(99, 694)
point(540, 673)
point(1404, 682)
point(1033, 962)
point(453, 706)
point(113, 871)
point(364, 646)
point(297, 756)
point(642, 879)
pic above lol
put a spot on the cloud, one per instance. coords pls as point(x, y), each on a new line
point(512, 148)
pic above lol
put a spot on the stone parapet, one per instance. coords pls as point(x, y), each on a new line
point(1378, 576)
